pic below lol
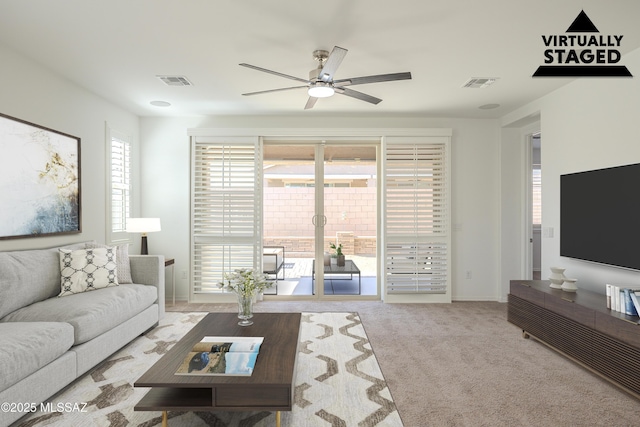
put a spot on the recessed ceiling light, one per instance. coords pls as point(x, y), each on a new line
point(160, 104)
point(488, 106)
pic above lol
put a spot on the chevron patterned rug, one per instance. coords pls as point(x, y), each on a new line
point(338, 382)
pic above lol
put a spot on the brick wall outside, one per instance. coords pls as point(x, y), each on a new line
point(350, 212)
point(302, 247)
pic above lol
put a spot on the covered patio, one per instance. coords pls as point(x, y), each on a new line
point(296, 278)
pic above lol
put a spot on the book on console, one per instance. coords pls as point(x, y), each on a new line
point(629, 308)
point(233, 356)
point(634, 295)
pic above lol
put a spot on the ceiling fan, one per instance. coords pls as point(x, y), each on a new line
point(321, 83)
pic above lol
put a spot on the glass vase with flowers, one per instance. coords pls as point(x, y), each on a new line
point(246, 283)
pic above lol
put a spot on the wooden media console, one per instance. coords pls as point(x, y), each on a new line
point(580, 326)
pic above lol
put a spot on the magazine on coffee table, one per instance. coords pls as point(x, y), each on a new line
point(222, 356)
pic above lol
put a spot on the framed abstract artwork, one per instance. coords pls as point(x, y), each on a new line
point(39, 180)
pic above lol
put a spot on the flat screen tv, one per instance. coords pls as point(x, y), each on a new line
point(600, 216)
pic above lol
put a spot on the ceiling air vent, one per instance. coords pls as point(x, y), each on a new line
point(480, 82)
point(175, 80)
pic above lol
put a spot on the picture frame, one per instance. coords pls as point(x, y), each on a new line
point(40, 179)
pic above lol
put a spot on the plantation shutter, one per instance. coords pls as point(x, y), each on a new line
point(537, 194)
point(416, 215)
point(226, 209)
point(119, 185)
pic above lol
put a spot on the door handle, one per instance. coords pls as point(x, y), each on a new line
point(323, 220)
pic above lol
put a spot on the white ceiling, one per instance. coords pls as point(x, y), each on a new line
point(116, 48)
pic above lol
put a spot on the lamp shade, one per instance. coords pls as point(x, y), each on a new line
point(143, 225)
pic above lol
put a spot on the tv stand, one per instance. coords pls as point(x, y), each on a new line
point(579, 326)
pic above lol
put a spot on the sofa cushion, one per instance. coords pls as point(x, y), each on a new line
point(90, 313)
point(27, 347)
point(29, 276)
point(85, 270)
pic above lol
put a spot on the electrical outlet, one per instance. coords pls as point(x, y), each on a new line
point(468, 274)
point(184, 274)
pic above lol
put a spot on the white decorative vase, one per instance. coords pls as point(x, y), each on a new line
point(569, 285)
point(557, 277)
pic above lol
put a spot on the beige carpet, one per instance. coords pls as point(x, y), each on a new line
point(463, 364)
point(338, 382)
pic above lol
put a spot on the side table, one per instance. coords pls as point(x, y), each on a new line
point(172, 262)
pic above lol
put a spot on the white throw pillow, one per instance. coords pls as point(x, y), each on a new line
point(122, 260)
point(87, 269)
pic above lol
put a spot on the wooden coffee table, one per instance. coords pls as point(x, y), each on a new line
point(269, 388)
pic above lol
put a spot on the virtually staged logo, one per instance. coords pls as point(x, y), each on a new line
point(582, 55)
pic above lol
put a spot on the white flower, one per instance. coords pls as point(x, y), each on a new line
point(245, 282)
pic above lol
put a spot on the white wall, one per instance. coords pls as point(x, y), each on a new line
point(31, 93)
point(588, 124)
point(475, 201)
point(512, 184)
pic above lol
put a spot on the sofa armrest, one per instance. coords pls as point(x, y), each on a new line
point(149, 270)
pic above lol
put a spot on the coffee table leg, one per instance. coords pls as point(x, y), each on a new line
point(277, 418)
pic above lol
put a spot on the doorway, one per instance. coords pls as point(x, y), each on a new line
point(320, 196)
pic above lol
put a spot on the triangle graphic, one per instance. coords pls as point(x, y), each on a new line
point(582, 24)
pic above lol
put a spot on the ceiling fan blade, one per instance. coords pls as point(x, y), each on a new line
point(373, 79)
point(358, 95)
point(332, 63)
point(310, 102)
point(275, 73)
point(273, 90)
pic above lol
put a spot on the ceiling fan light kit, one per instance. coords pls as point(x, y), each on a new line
point(321, 90)
point(321, 83)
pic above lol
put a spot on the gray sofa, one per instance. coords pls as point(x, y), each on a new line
point(48, 341)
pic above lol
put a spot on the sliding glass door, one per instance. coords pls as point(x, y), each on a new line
point(320, 199)
point(286, 205)
point(350, 196)
point(289, 210)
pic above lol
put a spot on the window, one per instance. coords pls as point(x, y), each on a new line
point(537, 195)
point(417, 216)
point(119, 182)
point(225, 209)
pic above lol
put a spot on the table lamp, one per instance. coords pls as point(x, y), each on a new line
point(144, 226)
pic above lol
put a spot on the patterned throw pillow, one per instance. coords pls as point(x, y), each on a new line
point(87, 269)
point(122, 261)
